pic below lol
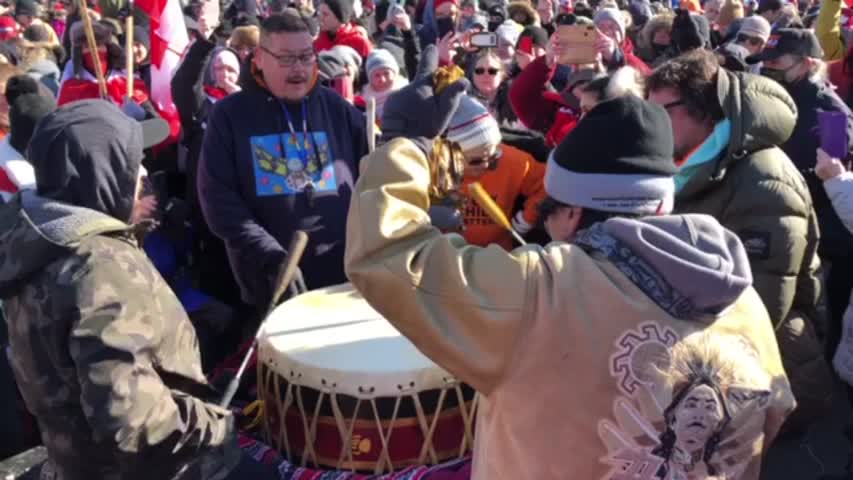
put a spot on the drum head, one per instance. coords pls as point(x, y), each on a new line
point(331, 339)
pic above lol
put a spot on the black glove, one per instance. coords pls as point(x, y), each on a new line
point(415, 112)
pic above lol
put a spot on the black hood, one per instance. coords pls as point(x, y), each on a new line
point(690, 31)
point(87, 154)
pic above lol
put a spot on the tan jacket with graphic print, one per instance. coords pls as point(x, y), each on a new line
point(640, 348)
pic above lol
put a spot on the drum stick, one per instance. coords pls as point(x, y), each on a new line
point(93, 47)
point(285, 274)
point(492, 209)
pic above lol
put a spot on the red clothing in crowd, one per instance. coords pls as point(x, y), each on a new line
point(841, 76)
point(16, 173)
point(537, 107)
point(632, 60)
point(515, 174)
point(348, 35)
point(74, 89)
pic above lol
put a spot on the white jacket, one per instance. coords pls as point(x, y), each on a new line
point(840, 191)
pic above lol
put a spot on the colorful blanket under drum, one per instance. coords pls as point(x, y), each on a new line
point(452, 470)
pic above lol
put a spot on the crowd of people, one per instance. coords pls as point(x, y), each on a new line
point(686, 184)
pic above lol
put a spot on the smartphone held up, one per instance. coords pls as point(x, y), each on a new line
point(578, 44)
point(832, 129)
point(484, 40)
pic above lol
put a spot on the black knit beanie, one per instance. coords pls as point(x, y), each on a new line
point(140, 35)
point(619, 158)
point(341, 8)
point(28, 103)
point(690, 31)
point(22, 84)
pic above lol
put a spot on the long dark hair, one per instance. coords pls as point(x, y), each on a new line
point(668, 437)
point(589, 217)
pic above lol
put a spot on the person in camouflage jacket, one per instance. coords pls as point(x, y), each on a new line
point(103, 353)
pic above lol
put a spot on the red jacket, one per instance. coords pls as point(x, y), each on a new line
point(74, 89)
point(348, 35)
point(632, 60)
point(539, 109)
point(841, 76)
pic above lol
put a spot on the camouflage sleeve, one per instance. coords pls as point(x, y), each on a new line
point(118, 326)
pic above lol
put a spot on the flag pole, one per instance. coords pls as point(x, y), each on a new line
point(128, 47)
point(93, 47)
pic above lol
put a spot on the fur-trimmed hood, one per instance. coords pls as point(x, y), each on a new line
point(77, 34)
point(103, 36)
point(523, 7)
point(658, 22)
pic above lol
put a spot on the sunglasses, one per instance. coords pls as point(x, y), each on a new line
point(481, 71)
point(748, 39)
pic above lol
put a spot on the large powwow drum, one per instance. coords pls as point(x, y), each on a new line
point(345, 390)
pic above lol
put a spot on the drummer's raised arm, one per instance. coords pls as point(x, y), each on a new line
point(463, 306)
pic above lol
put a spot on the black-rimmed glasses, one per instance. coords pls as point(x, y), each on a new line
point(305, 59)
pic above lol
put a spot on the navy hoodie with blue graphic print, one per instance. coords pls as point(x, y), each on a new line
point(269, 168)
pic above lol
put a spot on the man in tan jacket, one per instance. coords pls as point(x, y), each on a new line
point(638, 351)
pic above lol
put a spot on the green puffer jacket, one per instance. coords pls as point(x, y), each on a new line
point(756, 191)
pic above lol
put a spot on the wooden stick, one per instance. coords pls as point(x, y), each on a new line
point(128, 49)
point(371, 125)
point(492, 209)
point(93, 47)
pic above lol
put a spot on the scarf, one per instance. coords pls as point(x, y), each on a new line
point(215, 93)
point(710, 149)
point(382, 97)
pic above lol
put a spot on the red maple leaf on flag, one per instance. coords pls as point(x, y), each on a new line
point(159, 45)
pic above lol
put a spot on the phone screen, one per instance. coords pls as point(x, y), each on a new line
point(832, 128)
point(484, 40)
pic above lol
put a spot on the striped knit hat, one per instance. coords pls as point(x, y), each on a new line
point(472, 126)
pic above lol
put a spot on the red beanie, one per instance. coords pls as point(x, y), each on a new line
point(439, 3)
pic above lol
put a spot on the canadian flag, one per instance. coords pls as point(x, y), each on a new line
point(168, 41)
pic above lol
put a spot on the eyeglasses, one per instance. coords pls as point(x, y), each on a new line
point(481, 71)
point(305, 59)
point(485, 160)
point(747, 39)
point(674, 104)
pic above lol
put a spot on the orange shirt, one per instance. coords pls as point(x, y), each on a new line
point(517, 173)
